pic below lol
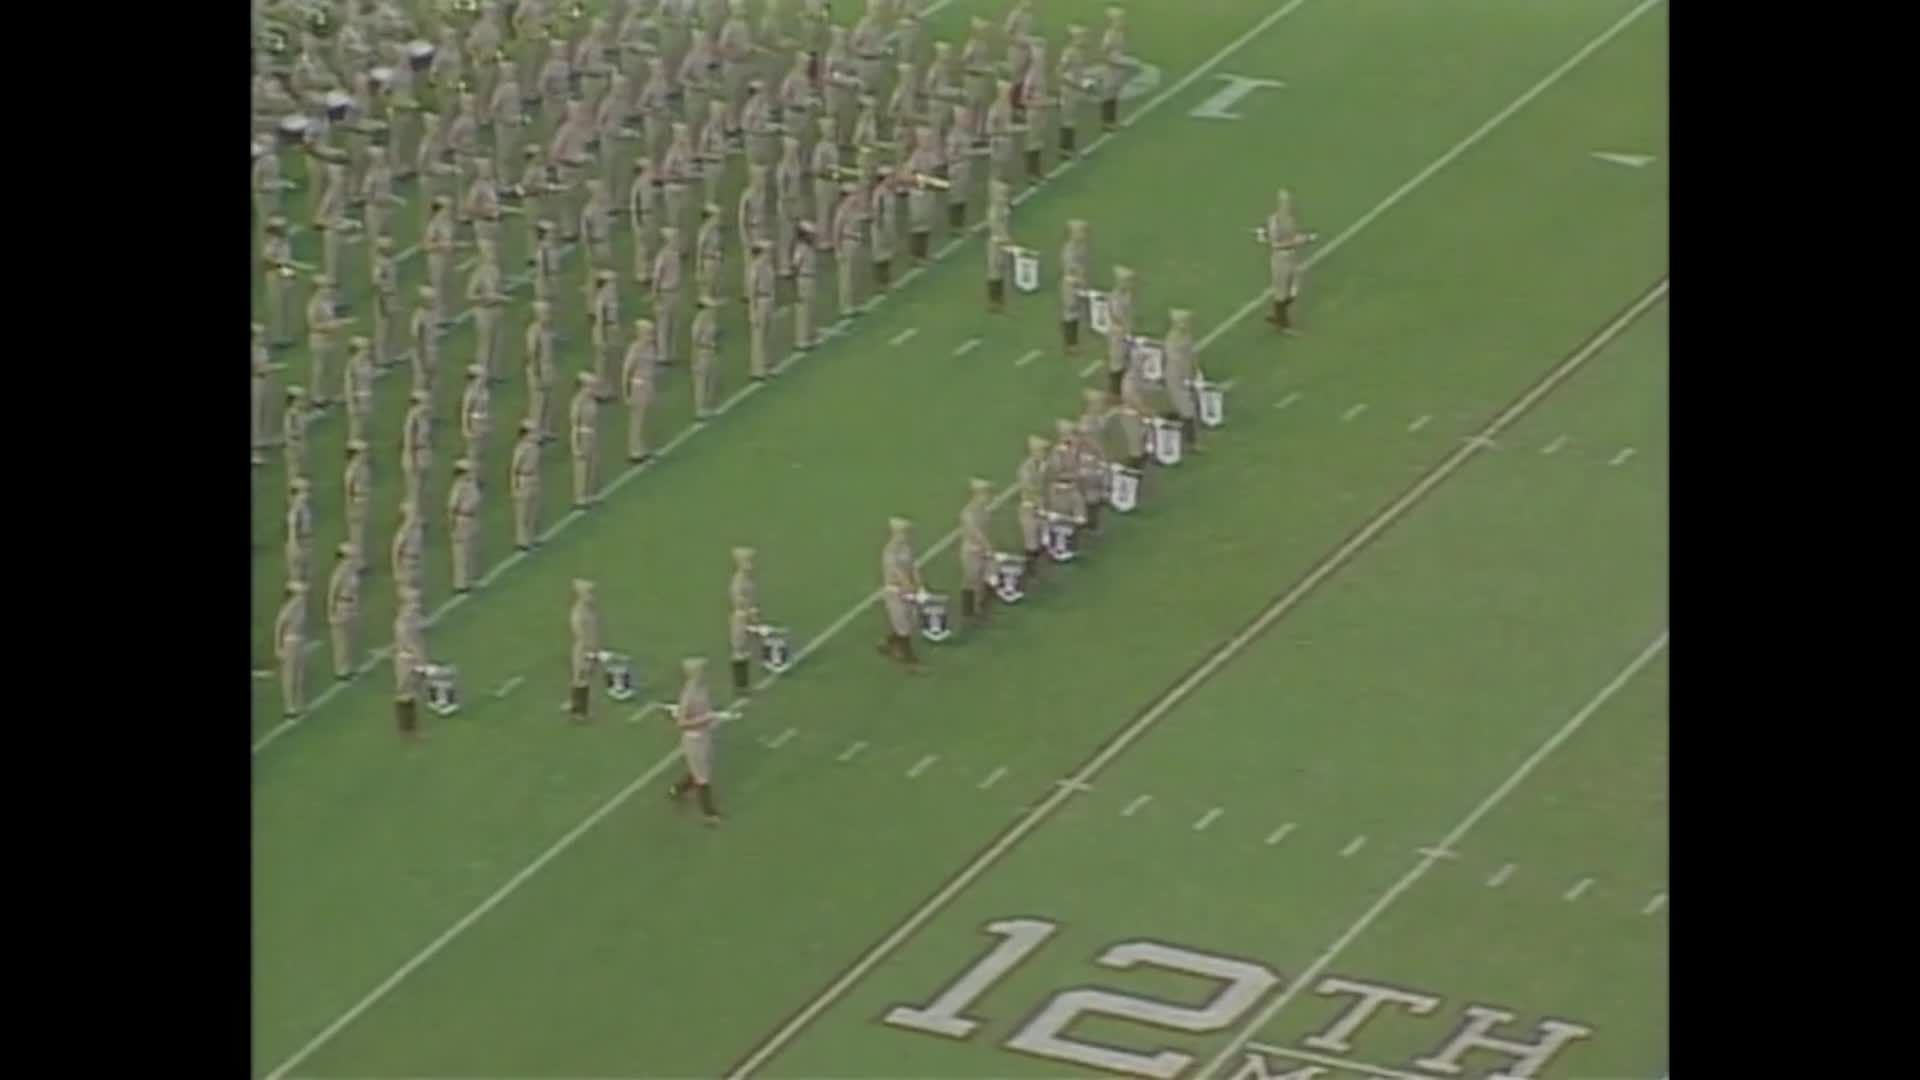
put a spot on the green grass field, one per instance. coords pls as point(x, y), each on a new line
point(1347, 749)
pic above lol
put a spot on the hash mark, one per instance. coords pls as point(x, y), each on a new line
point(1420, 423)
point(1134, 806)
point(1093, 365)
point(993, 778)
point(1353, 847)
point(509, 686)
point(1659, 901)
point(1280, 833)
point(1554, 446)
point(1579, 888)
point(1073, 785)
point(1207, 818)
point(1500, 876)
point(1288, 400)
point(781, 739)
point(851, 752)
point(922, 765)
point(967, 346)
point(1029, 358)
point(1621, 457)
point(1353, 413)
point(904, 336)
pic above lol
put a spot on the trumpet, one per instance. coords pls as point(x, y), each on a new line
point(930, 182)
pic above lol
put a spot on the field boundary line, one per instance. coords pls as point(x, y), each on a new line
point(1213, 662)
point(515, 282)
point(1466, 824)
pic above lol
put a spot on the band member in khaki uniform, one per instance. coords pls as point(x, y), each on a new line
point(999, 243)
point(666, 293)
point(752, 214)
point(357, 493)
point(523, 482)
point(1001, 130)
point(343, 610)
point(899, 584)
point(583, 620)
point(1133, 415)
point(937, 87)
point(509, 121)
point(1064, 495)
point(977, 62)
point(1074, 80)
point(643, 214)
point(706, 353)
point(790, 193)
point(482, 205)
point(884, 225)
point(544, 261)
point(1033, 482)
point(805, 284)
point(694, 719)
point(709, 252)
point(537, 195)
point(1284, 242)
point(409, 656)
point(636, 387)
point(679, 170)
point(386, 302)
point(1074, 259)
point(408, 550)
point(711, 148)
point(376, 192)
point(605, 318)
point(760, 296)
point(959, 156)
point(848, 236)
point(1180, 373)
point(539, 368)
point(1037, 98)
point(463, 523)
point(299, 529)
point(1091, 435)
point(583, 431)
point(276, 258)
point(744, 597)
point(263, 369)
point(294, 419)
point(356, 386)
point(1113, 52)
point(476, 417)
point(825, 168)
point(976, 548)
point(323, 332)
point(1018, 30)
point(596, 224)
point(424, 330)
point(437, 242)
point(756, 121)
point(416, 445)
point(921, 166)
point(330, 216)
point(290, 649)
point(1120, 330)
point(487, 295)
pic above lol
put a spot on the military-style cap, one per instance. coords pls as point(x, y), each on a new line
point(693, 665)
point(323, 280)
point(301, 484)
point(276, 223)
point(356, 446)
point(1094, 395)
point(426, 292)
point(584, 378)
point(344, 550)
point(1063, 427)
point(582, 585)
point(1035, 444)
point(642, 324)
point(604, 276)
point(385, 243)
point(476, 371)
point(979, 486)
point(528, 427)
point(296, 587)
point(296, 391)
point(544, 225)
point(1181, 316)
point(759, 247)
point(806, 227)
point(710, 210)
point(530, 152)
point(419, 397)
point(258, 329)
point(1123, 273)
point(463, 465)
point(542, 307)
point(743, 554)
point(707, 302)
point(899, 524)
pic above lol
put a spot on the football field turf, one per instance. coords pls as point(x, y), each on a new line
point(1351, 738)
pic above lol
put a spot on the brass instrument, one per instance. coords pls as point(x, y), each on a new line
point(930, 182)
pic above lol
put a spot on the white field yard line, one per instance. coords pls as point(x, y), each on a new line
point(573, 835)
point(1220, 657)
point(513, 283)
point(1452, 839)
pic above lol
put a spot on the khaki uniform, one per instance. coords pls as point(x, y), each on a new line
point(1033, 482)
point(1072, 77)
point(1113, 50)
point(357, 494)
point(1064, 493)
point(487, 296)
point(596, 225)
point(760, 297)
point(848, 234)
point(790, 193)
point(544, 264)
point(583, 429)
point(476, 419)
point(539, 370)
point(416, 450)
point(409, 549)
point(976, 547)
point(1180, 372)
point(706, 352)
point(463, 527)
point(376, 193)
point(583, 620)
point(276, 256)
point(438, 245)
point(900, 582)
point(693, 718)
point(262, 394)
point(636, 381)
point(299, 534)
point(509, 120)
point(424, 331)
point(666, 295)
point(1120, 333)
point(825, 167)
point(290, 649)
point(293, 433)
point(356, 385)
point(323, 337)
point(709, 255)
point(1285, 240)
point(482, 206)
point(386, 303)
point(805, 288)
point(743, 596)
point(523, 479)
point(343, 614)
point(409, 648)
point(605, 318)
point(642, 220)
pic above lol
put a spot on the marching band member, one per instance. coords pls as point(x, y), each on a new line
point(343, 610)
point(742, 594)
point(583, 620)
point(463, 522)
point(523, 481)
point(900, 585)
point(1120, 328)
point(693, 717)
point(976, 549)
point(290, 649)
point(1180, 373)
point(583, 431)
point(636, 383)
point(1284, 240)
point(1033, 482)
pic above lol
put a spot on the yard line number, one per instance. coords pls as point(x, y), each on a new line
point(1245, 983)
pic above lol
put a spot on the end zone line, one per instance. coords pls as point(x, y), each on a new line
point(1452, 839)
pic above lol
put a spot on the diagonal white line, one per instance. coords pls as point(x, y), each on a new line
point(1453, 838)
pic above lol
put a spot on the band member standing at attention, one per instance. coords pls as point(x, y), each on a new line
point(694, 718)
